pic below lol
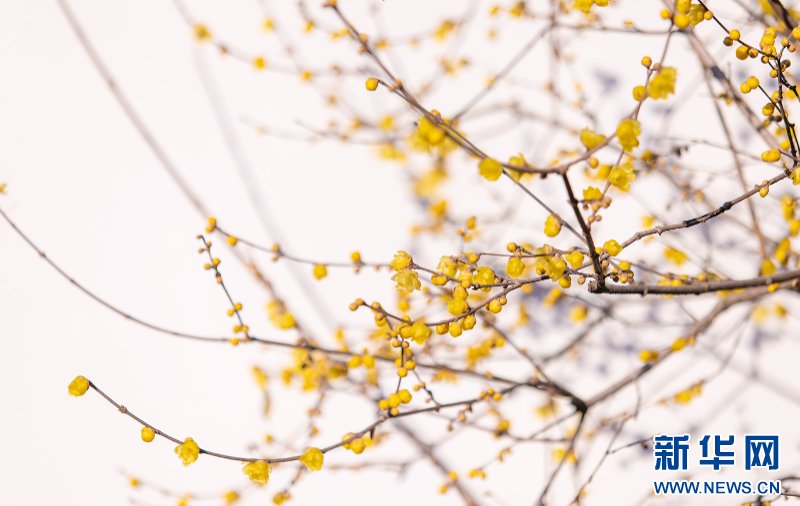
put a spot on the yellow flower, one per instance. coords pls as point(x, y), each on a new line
point(477, 473)
point(483, 276)
point(447, 266)
point(79, 386)
point(320, 271)
point(258, 471)
point(490, 169)
point(387, 151)
point(312, 459)
point(430, 135)
point(627, 133)
point(560, 454)
point(515, 267)
point(259, 63)
point(401, 260)
point(648, 355)
point(584, 5)
point(592, 193)
point(438, 209)
point(663, 83)
point(578, 313)
point(575, 259)
point(678, 257)
point(372, 84)
point(407, 280)
point(230, 498)
point(552, 226)
point(357, 445)
point(696, 14)
point(387, 124)
point(767, 267)
point(783, 250)
point(518, 161)
point(555, 268)
point(444, 30)
point(420, 332)
point(188, 451)
point(279, 316)
point(457, 306)
point(622, 176)
point(612, 247)
point(201, 33)
point(787, 205)
point(591, 139)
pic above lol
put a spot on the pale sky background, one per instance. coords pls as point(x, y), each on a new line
point(88, 191)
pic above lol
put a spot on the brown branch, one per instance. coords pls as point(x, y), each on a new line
point(696, 288)
point(697, 328)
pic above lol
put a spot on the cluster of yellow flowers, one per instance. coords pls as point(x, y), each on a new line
point(586, 5)
point(357, 444)
point(687, 14)
point(482, 350)
point(394, 400)
point(470, 291)
point(429, 136)
point(314, 368)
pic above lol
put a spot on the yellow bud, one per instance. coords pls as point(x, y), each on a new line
point(320, 271)
point(148, 434)
point(78, 386)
